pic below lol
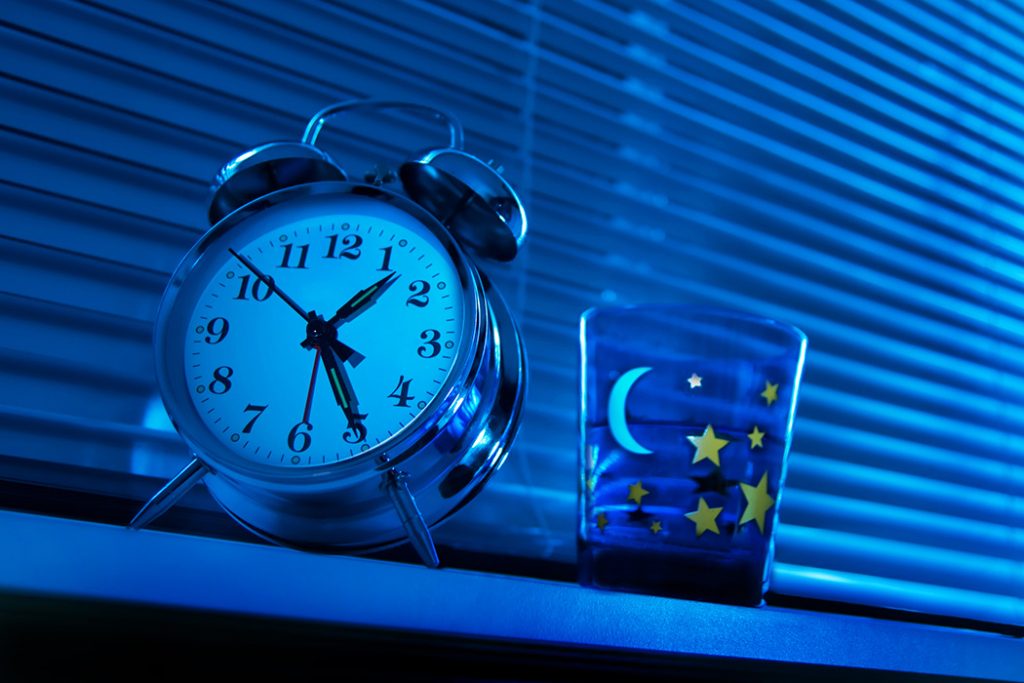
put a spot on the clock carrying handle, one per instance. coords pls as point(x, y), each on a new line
point(316, 124)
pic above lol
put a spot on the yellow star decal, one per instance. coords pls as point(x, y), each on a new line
point(758, 502)
point(694, 380)
point(756, 438)
point(656, 527)
point(704, 517)
point(636, 493)
point(770, 393)
point(602, 521)
point(707, 445)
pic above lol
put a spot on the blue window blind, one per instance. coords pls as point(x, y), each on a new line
point(851, 168)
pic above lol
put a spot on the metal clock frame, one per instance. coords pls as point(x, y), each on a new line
point(425, 472)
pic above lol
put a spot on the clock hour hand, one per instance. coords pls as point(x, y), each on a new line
point(346, 353)
point(363, 299)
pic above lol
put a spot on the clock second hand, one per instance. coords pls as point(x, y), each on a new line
point(312, 386)
point(346, 353)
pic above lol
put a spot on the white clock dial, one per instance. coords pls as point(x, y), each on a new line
point(272, 400)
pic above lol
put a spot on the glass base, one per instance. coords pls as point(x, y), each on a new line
point(720, 578)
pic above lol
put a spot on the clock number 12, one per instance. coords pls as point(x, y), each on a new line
point(351, 244)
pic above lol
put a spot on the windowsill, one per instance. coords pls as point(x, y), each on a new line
point(62, 558)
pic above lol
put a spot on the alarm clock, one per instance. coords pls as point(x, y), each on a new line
point(344, 373)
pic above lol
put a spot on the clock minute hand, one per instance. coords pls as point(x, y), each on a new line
point(341, 386)
point(363, 299)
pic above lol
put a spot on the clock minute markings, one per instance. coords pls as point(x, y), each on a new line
point(347, 353)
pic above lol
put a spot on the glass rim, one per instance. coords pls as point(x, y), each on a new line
point(721, 312)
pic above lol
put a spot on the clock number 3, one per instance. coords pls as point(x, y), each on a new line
point(432, 347)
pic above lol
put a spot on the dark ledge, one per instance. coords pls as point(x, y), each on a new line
point(77, 595)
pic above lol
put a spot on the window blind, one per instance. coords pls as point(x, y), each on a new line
point(851, 168)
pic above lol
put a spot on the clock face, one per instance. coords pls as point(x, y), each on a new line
point(385, 315)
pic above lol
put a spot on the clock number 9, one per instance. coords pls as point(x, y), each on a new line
point(431, 348)
point(221, 380)
point(217, 329)
point(298, 440)
point(419, 297)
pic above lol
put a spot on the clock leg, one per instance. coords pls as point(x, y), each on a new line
point(415, 526)
point(171, 493)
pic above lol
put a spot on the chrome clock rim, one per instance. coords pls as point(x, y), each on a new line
point(172, 321)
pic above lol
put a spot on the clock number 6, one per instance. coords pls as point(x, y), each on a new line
point(298, 440)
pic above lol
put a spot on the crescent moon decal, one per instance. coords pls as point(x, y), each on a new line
point(617, 410)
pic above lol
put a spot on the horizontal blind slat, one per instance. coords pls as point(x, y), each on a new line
point(868, 555)
point(896, 594)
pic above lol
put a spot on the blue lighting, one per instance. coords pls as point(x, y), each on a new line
point(855, 169)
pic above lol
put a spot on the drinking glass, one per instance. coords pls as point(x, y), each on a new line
point(686, 420)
